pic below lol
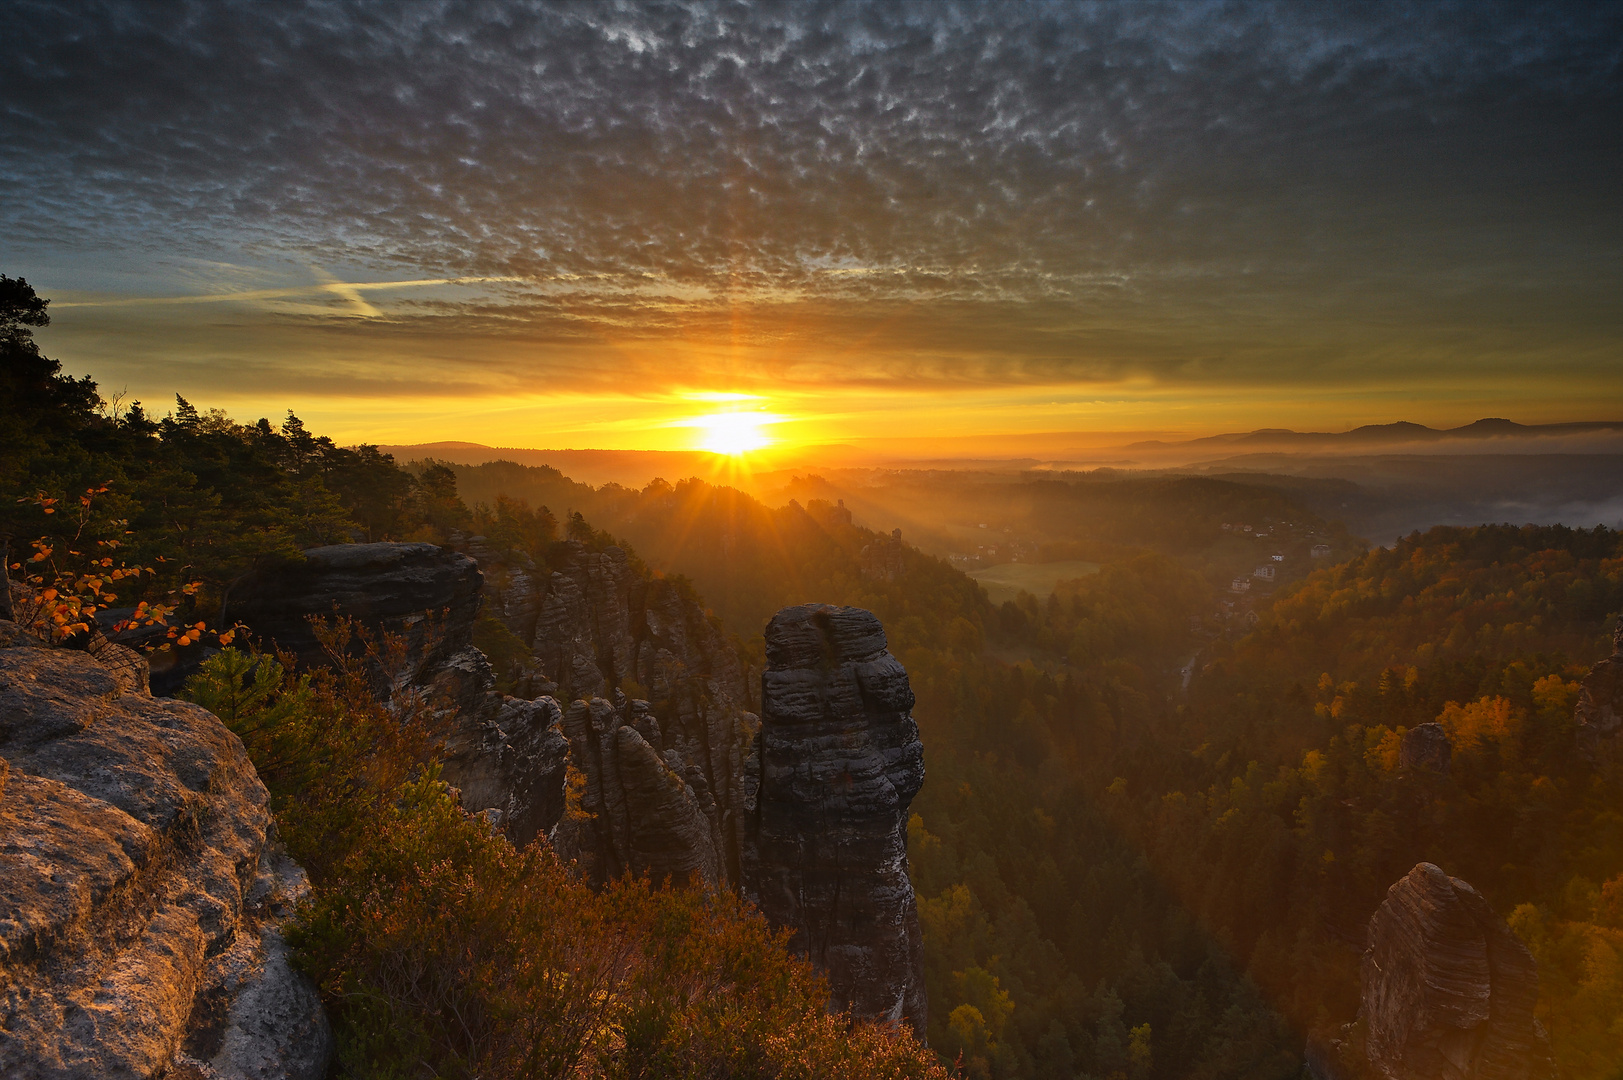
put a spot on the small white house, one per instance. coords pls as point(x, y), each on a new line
point(1266, 573)
point(1321, 551)
point(1239, 584)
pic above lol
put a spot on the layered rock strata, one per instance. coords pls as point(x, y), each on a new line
point(1448, 991)
point(1600, 707)
point(507, 756)
point(834, 768)
point(425, 593)
point(139, 898)
point(634, 688)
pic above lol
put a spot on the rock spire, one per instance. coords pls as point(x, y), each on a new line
point(834, 768)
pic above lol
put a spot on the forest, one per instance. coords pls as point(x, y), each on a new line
point(1118, 877)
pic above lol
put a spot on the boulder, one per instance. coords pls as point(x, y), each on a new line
point(139, 895)
point(831, 775)
point(1448, 991)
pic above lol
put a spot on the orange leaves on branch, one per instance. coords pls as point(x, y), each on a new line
point(63, 596)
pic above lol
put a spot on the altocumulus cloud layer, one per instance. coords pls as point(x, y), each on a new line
point(1206, 195)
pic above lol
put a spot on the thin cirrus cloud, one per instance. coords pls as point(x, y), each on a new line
point(858, 198)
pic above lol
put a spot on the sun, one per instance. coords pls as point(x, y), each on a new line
point(733, 433)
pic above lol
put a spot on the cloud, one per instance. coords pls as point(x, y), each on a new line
point(868, 193)
point(349, 291)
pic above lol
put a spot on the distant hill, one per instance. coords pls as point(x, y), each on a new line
point(1400, 433)
point(633, 468)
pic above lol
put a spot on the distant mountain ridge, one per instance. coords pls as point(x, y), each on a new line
point(1402, 431)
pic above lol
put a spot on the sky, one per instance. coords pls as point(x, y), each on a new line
point(599, 225)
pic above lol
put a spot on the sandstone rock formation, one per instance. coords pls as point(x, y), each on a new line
point(1448, 991)
point(427, 593)
point(508, 757)
point(834, 768)
point(139, 897)
point(676, 778)
point(650, 812)
point(1426, 746)
point(1600, 707)
point(659, 722)
point(883, 559)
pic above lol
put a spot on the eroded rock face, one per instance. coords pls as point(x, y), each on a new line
point(1600, 707)
point(658, 722)
point(834, 768)
point(805, 813)
point(1426, 746)
point(506, 756)
point(427, 593)
point(138, 895)
point(644, 809)
point(1448, 991)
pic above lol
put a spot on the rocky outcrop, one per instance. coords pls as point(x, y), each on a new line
point(1448, 991)
point(426, 593)
point(506, 756)
point(644, 809)
point(1426, 746)
point(139, 897)
point(834, 768)
point(658, 722)
point(1600, 708)
point(630, 743)
point(883, 558)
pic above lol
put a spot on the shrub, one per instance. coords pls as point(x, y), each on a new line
point(441, 950)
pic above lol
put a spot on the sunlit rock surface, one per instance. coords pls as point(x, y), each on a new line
point(1448, 991)
point(837, 762)
point(139, 898)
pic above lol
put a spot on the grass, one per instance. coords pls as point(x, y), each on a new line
point(1007, 581)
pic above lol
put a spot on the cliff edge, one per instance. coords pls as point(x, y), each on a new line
point(139, 896)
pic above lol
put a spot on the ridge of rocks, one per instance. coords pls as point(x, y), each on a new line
point(658, 720)
point(422, 591)
point(632, 747)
